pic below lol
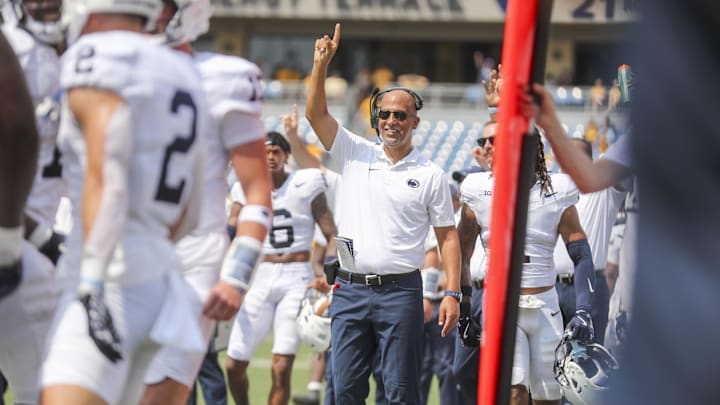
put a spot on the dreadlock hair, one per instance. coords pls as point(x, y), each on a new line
point(541, 173)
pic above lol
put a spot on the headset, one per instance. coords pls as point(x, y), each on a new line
point(377, 96)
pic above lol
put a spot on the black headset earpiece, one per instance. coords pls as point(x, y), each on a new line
point(376, 96)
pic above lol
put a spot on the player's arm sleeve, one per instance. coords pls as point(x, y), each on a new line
point(579, 251)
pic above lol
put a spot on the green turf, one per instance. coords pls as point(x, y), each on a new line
point(259, 376)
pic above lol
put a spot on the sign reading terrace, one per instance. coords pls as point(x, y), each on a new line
point(564, 11)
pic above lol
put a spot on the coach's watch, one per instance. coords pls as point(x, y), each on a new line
point(455, 294)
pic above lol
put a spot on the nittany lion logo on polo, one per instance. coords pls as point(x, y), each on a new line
point(412, 183)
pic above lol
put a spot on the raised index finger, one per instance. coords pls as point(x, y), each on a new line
point(336, 35)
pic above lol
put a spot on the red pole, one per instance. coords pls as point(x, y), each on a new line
point(517, 56)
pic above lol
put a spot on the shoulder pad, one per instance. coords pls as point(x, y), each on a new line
point(100, 60)
point(231, 83)
point(310, 181)
point(20, 40)
point(565, 188)
point(473, 184)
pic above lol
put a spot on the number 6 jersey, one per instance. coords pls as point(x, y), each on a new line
point(168, 112)
point(293, 225)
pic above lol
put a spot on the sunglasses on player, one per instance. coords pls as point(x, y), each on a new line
point(399, 115)
point(483, 141)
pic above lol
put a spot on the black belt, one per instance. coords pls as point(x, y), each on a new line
point(570, 278)
point(479, 284)
point(371, 279)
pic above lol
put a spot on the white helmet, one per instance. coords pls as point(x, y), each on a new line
point(313, 321)
point(76, 12)
point(46, 30)
point(191, 20)
point(583, 370)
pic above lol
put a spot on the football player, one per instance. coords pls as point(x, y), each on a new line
point(235, 134)
point(299, 203)
point(33, 28)
point(19, 138)
point(131, 137)
point(551, 212)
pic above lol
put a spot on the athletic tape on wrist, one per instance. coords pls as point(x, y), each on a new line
point(256, 213)
point(92, 274)
point(10, 244)
point(430, 280)
point(241, 261)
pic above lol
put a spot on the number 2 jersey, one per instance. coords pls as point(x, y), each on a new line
point(41, 67)
point(168, 113)
point(293, 223)
point(544, 212)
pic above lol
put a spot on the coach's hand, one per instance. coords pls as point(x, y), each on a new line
point(468, 328)
point(580, 326)
point(223, 302)
point(10, 277)
point(326, 47)
point(100, 323)
point(448, 314)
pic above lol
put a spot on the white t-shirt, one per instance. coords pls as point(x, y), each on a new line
point(162, 158)
point(388, 208)
point(620, 152)
point(597, 212)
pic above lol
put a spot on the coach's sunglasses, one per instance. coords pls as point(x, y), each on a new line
point(483, 141)
point(399, 115)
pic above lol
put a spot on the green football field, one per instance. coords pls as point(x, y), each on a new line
point(259, 373)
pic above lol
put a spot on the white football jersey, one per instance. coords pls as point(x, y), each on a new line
point(168, 111)
point(232, 85)
point(41, 67)
point(544, 212)
point(293, 222)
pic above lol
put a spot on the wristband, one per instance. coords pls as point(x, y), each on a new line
point(10, 244)
point(240, 262)
point(257, 213)
point(92, 273)
point(430, 279)
point(455, 294)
